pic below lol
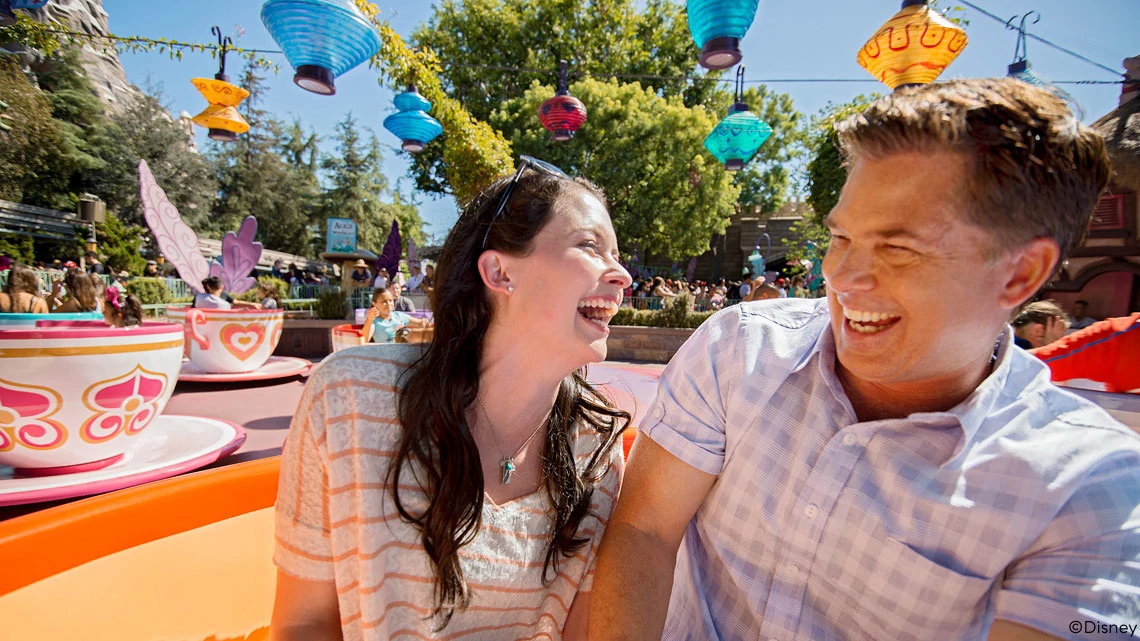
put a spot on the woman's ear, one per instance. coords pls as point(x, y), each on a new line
point(493, 268)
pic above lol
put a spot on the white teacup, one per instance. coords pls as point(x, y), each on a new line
point(75, 395)
point(345, 336)
point(229, 341)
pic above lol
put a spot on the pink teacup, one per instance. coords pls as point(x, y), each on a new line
point(229, 341)
point(75, 395)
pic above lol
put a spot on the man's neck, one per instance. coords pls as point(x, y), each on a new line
point(873, 401)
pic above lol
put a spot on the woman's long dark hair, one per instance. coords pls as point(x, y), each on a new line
point(440, 387)
point(81, 290)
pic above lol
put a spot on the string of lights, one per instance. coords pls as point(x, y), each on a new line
point(212, 48)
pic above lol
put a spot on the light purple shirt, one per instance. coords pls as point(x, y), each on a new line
point(1021, 503)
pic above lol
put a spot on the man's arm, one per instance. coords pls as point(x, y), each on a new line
point(660, 495)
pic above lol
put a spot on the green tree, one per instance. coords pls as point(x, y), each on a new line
point(357, 189)
point(255, 179)
point(672, 196)
point(31, 152)
point(119, 244)
point(145, 130)
point(597, 36)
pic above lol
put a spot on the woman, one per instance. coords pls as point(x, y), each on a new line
point(383, 321)
point(82, 294)
point(462, 489)
point(21, 292)
point(122, 309)
point(270, 298)
point(660, 289)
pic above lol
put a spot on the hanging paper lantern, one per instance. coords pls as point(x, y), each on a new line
point(411, 124)
point(321, 38)
point(563, 114)
point(735, 140)
point(28, 4)
point(221, 117)
point(913, 47)
point(718, 26)
point(1021, 69)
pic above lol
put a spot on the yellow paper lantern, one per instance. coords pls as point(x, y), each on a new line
point(913, 47)
point(221, 117)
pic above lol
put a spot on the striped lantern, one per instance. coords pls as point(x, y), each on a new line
point(321, 38)
point(562, 114)
point(718, 26)
point(411, 124)
point(913, 47)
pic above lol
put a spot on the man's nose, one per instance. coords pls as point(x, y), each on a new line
point(848, 268)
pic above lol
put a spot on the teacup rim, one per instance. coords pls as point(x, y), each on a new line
point(76, 329)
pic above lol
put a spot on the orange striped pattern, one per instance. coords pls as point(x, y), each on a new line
point(336, 520)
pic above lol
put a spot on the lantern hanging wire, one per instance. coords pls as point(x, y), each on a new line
point(736, 138)
point(562, 114)
point(1023, 71)
point(221, 117)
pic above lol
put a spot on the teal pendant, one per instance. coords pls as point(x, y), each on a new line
point(508, 466)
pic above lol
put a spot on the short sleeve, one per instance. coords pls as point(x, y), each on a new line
point(601, 507)
point(1085, 567)
point(303, 543)
point(688, 416)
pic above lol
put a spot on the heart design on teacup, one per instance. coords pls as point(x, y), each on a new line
point(242, 340)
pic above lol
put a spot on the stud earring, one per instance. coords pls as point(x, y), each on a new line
point(510, 288)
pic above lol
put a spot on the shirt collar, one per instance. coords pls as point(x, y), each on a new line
point(967, 415)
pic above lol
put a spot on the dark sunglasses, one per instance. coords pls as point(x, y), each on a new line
point(525, 162)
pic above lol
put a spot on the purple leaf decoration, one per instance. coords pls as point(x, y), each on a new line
point(390, 258)
point(177, 241)
point(240, 253)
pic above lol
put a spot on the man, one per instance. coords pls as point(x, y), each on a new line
point(1106, 352)
point(151, 270)
point(401, 303)
point(415, 281)
point(360, 275)
point(1081, 319)
point(1039, 324)
point(747, 285)
point(884, 464)
point(93, 264)
point(781, 286)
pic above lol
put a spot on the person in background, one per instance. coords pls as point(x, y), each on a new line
point(93, 264)
point(403, 303)
point(381, 280)
point(212, 295)
point(122, 309)
point(1080, 317)
point(151, 270)
point(781, 285)
point(1039, 323)
point(762, 291)
point(278, 270)
point(383, 321)
point(21, 292)
point(884, 464)
point(82, 295)
point(270, 299)
point(798, 289)
point(428, 286)
point(416, 280)
point(746, 285)
point(1107, 352)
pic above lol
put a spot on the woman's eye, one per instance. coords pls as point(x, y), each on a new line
point(589, 244)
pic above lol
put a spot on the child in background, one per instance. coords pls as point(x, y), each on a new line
point(122, 309)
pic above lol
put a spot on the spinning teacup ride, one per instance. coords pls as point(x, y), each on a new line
point(81, 411)
point(233, 345)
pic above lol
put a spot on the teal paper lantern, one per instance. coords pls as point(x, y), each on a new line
point(411, 123)
point(735, 140)
point(321, 38)
point(718, 26)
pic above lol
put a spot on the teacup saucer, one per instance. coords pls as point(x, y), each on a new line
point(275, 367)
point(169, 446)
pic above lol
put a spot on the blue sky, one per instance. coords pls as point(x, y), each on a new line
point(789, 39)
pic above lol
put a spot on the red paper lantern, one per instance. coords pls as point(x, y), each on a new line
point(563, 114)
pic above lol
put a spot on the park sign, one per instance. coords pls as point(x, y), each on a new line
point(341, 237)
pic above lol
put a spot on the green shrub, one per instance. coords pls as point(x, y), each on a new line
point(675, 314)
point(331, 305)
point(150, 291)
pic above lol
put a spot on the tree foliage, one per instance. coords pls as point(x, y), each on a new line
point(357, 189)
point(672, 197)
point(119, 245)
point(32, 152)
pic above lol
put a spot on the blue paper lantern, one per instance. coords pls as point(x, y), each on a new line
point(321, 38)
point(718, 26)
point(411, 124)
point(1023, 71)
point(29, 4)
point(735, 140)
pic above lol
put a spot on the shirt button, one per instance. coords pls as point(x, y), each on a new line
point(793, 570)
point(810, 511)
point(850, 439)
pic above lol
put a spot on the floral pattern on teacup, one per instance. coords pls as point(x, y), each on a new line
point(24, 417)
point(127, 404)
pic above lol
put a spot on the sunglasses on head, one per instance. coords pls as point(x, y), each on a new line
point(525, 162)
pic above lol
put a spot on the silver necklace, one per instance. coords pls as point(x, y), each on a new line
point(507, 465)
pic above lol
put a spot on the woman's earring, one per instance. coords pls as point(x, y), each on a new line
point(510, 288)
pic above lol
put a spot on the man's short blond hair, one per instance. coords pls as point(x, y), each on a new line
point(1035, 171)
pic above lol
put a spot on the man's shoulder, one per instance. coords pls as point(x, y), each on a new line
point(767, 334)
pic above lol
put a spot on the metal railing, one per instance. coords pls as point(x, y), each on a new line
point(656, 302)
